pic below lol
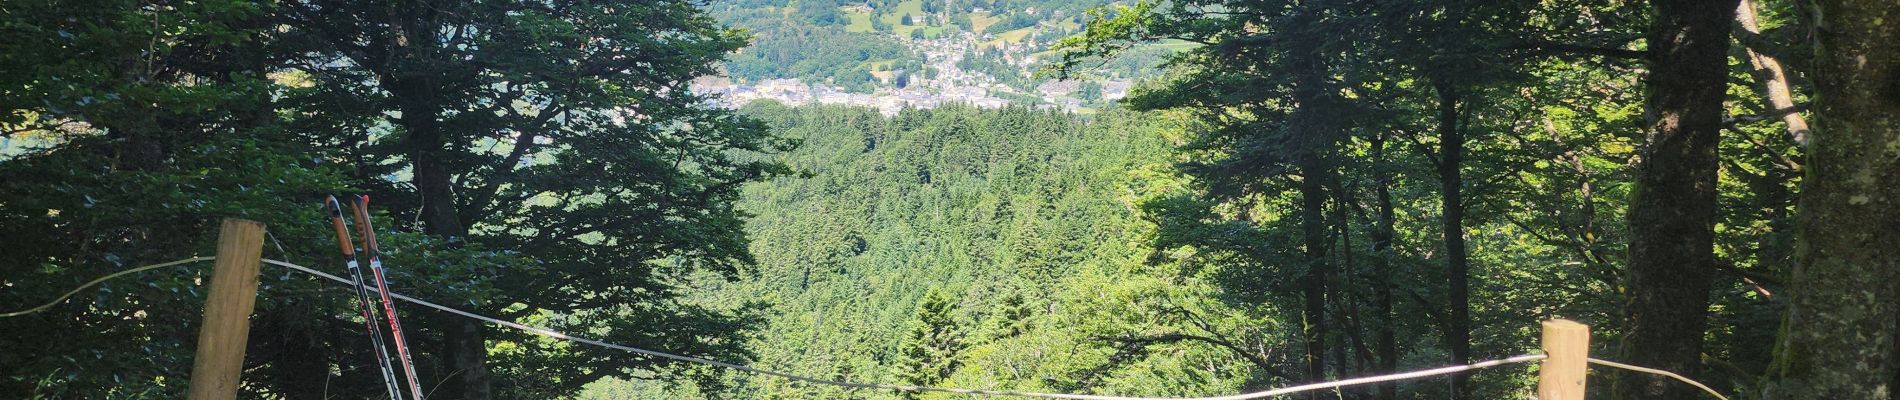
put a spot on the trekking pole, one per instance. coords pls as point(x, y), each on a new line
point(363, 301)
point(382, 286)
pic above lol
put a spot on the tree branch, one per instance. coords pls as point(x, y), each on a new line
point(1771, 114)
point(481, 201)
point(1761, 45)
point(1144, 341)
point(1555, 48)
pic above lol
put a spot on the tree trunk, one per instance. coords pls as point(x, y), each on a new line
point(298, 357)
point(1382, 233)
point(1772, 79)
point(1312, 157)
point(1451, 154)
point(414, 88)
point(463, 345)
point(1672, 211)
point(467, 355)
point(1313, 224)
point(1837, 341)
point(1345, 301)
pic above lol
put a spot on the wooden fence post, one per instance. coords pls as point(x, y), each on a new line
point(227, 322)
point(1562, 375)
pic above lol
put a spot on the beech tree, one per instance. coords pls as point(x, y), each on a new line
point(560, 132)
point(129, 128)
point(1673, 210)
point(1838, 339)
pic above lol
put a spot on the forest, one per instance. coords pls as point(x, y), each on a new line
point(794, 47)
point(1299, 192)
point(930, 247)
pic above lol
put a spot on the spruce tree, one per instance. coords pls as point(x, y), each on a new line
point(929, 352)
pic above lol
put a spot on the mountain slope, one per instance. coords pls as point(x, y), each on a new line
point(1024, 223)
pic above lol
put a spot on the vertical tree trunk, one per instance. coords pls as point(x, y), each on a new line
point(1382, 233)
point(1345, 306)
point(1672, 212)
point(300, 362)
point(1313, 284)
point(1311, 152)
point(426, 141)
point(1451, 154)
point(463, 345)
point(1771, 78)
point(1837, 341)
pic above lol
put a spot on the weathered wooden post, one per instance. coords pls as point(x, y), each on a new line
point(227, 322)
point(1562, 375)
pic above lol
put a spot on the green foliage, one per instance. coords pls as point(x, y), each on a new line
point(1089, 91)
point(792, 51)
point(1162, 248)
point(788, 46)
point(929, 352)
point(1549, 130)
point(589, 183)
point(592, 161)
point(1014, 21)
point(962, 20)
point(992, 63)
point(817, 12)
point(145, 128)
point(1026, 224)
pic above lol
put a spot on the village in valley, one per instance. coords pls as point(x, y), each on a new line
point(939, 76)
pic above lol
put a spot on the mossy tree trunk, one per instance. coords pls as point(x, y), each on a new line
point(1838, 339)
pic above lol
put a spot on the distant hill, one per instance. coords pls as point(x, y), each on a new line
point(862, 46)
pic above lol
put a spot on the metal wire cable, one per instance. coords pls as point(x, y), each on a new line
point(69, 294)
point(910, 388)
point(907, 388)
point(1692, 382)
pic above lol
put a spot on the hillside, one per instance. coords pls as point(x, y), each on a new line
point(889, 54)
point(1024, 223)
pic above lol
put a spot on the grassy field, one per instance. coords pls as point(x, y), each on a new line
point(860, 20)
point(936, 31)
point(1176, 44)
point(1068, 25)
point(1011, 37)
point(895, 16)
point(980, 21)
point(907, 7)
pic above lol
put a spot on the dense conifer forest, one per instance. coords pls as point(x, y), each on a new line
point(930, 247)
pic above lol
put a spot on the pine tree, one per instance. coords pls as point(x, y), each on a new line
point(1009, 319)
point(930, 348)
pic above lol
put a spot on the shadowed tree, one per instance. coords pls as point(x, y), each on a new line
point(1273, 106)
point(1673, 209)
point(562, 132)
